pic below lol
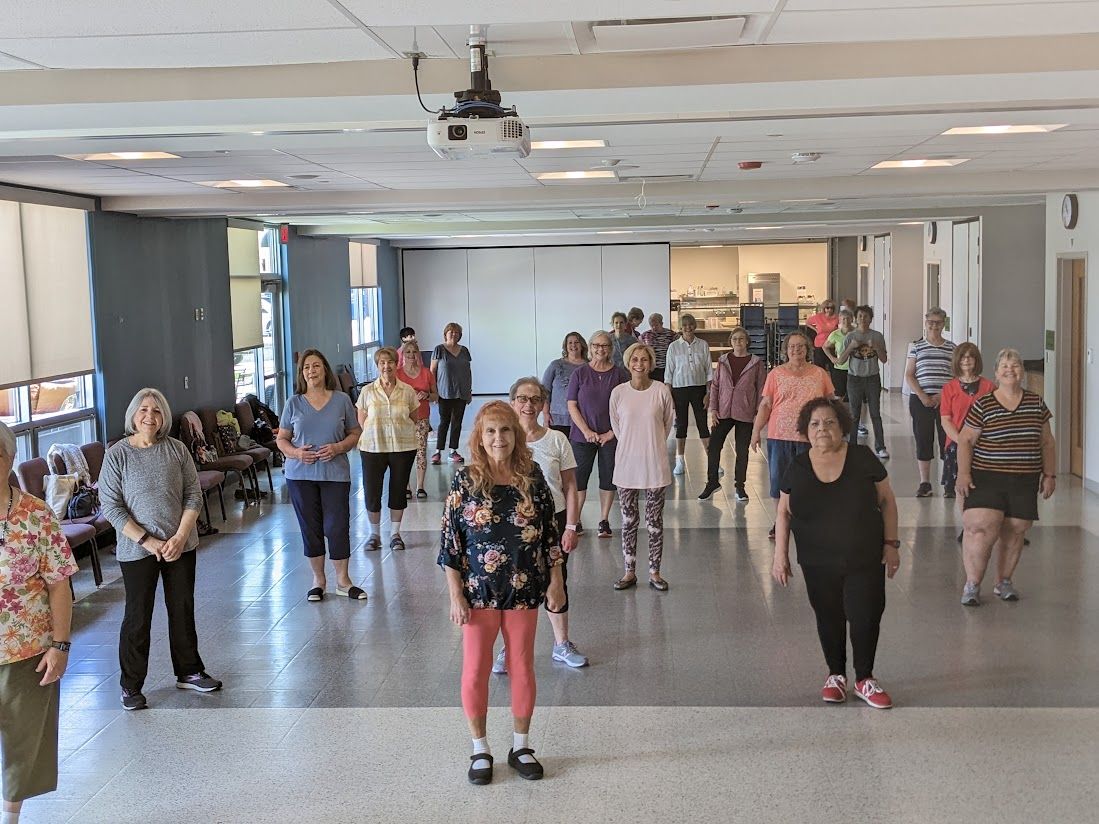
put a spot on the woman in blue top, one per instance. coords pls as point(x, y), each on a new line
point(574, 354)
point(318, 428)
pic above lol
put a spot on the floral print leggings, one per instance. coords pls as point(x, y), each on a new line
point(654, 522)
point(423, 427)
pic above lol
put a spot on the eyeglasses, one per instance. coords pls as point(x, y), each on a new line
point(828, 308)
point(599, 346)
point(535, 399)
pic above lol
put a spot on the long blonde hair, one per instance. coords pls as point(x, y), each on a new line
point(521, 462)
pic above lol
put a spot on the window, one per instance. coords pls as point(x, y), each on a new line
point(248, 372)
point(48, 412)
point(365, 332)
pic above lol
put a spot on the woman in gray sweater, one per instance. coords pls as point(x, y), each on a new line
point(149, 491)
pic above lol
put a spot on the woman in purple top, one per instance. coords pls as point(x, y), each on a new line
point(589, 407)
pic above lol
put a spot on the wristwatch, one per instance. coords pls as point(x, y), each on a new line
point(894, 543)
point(570, 527)
point(63, 646)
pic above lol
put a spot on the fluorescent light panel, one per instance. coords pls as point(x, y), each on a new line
point(241, 184)
point(920, 164)
point(589, 175)
point(568, 144)
point(615, 232)
point(126, 156)
point(1005, 129)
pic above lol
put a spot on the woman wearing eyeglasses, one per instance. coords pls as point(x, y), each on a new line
point(824, 323)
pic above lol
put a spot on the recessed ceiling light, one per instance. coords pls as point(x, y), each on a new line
point(588, 175)
point(1005, 129)
point(257, 133)
point(802, 200)
point(568, 144)
point(757, 228)
point(712, 246)
point(911, 223)
point(241, 184)
point(126, 156)
point(920, 164)
point(615, 232)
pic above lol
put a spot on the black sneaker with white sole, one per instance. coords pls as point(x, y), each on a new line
point(200, 682)
point(741, 495)
point(133, 700)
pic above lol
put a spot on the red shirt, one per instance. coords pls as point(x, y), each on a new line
point(955, 401)
point(424, 382)
point(824, 325)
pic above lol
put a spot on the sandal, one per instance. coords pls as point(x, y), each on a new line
point(373, 543)
point(530, 771)
point(625, 582)
point(408, 492)
point(315, 594)
point(482, 775)
point(421, 493)
point(396, 543)
point(352, 592)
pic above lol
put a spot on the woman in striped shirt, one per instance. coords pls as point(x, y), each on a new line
point(927, 371)
point(1006, 456)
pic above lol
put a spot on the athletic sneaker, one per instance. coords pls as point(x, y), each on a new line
point(708, 490)
point(436, 459)
point(971, 595)
point(863, 431)
point(868, 690)
point(133, 700)
point(679, 467)
point(1005, 591)
point(567, 653)
point(882, 453)
point(200, 682)
point(948, 492)
point(456, 458)
point(604, 529)
point(834, 690)
point(500, 665)
point(924, 490)
point(579, 528)
point(771, 532)
point(740, 494)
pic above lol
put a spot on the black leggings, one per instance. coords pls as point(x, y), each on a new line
point(451, 412)
point(840, 597)
point(742, 437)
point(375, 464)
point(140, 579)
point(690, 397)
point(927, 427)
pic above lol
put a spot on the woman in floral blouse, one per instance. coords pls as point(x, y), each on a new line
point(501, 551)
point(35, 617)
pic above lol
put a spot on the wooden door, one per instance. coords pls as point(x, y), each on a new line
point(1078, 355)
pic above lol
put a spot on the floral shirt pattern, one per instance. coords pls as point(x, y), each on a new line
point(35, 555)
point(502, 547)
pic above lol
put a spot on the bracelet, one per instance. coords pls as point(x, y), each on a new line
point(62, 646)
point(142, 539)
point(570, 527)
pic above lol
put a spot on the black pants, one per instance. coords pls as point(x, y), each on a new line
point(324, 511)
point(690, 397)
point(840, 597)
point(867, 389)
point(451, 412)
point(839, 381)
point(585, 454)
point(926, 426)
point(742, 437)
point(375, 464)
point(139, 579)
point(821, 359)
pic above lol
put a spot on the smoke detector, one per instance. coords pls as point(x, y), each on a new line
point(805, 157)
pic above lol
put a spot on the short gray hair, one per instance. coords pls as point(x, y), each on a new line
point(159, 400)
point(532, 381)
point(935, 311)
point(1010, 354)
point(8, 446)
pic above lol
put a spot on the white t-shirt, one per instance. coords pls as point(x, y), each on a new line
point(553, 453)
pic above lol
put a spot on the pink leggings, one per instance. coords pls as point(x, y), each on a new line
point(478, 636)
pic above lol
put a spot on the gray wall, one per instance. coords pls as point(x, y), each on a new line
point(845, 269)
point(389, 286)
point(148, 277)
point(318, 299)
point(1013, 244)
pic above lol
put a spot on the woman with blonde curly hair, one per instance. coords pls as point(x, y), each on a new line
point(501, 551)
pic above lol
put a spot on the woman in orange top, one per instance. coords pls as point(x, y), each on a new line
point(957, 397)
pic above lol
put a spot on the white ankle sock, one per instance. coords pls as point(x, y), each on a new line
point(375, 530)
point(519, 741)
point(480, 746)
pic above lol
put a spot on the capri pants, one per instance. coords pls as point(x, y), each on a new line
point(478, 637)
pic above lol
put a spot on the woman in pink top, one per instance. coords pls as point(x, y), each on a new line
point(824, 323)
point(787, 389)
point(412, 372)
point(642, 413)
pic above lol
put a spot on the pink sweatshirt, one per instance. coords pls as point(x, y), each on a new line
point(642, 422)
point(740, 401)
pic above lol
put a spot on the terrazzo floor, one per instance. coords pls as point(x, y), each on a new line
point(700, 705)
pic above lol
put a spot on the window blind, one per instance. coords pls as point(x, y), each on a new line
point(244, 288)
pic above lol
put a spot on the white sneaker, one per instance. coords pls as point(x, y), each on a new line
point(679, 467)
point(500, 665)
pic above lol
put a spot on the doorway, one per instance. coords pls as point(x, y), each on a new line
point(1072, 360)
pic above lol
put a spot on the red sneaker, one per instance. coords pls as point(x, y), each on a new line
point(834, 690)
point(868, 690)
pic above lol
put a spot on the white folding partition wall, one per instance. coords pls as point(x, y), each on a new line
point(516, 304)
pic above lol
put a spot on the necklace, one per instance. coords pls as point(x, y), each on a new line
point(7, 518)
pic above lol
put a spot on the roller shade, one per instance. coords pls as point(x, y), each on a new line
point(47, 328)
point(244, 288)
point(363, 263)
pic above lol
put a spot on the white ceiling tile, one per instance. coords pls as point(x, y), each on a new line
point(423, 39)
point(208, 49)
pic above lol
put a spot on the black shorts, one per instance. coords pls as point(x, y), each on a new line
point(1014, 495)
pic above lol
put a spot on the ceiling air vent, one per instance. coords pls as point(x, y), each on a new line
point(664, 34)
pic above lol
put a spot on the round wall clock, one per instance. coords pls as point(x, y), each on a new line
point(1070, 211)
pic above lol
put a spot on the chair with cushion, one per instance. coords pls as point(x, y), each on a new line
point(247, 421)
point(78, 535)
point(209, 479)
point(94, 453)
point(259, 455)
point(239, 463)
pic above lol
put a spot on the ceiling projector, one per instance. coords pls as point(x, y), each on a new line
point(477, 125)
